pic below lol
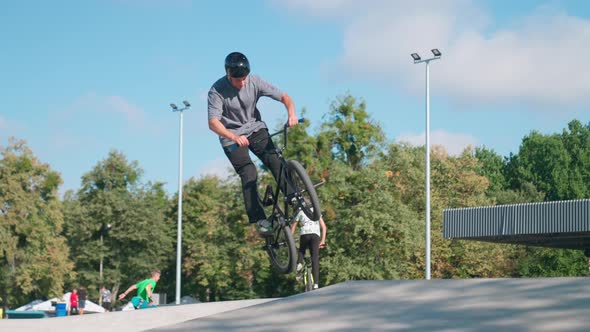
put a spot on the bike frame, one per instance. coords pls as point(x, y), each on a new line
point(279, 217)
point(282, 175)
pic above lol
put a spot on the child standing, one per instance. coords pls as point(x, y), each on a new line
point(310, 239)
point(74, 302)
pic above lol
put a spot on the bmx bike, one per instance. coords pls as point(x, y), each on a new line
point(294, 191)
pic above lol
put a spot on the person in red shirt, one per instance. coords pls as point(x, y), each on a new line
point(74, 301)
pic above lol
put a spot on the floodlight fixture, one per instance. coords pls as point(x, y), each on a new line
point(436, 52)
point(416, 57)
point(174, 107)
point(186, 103)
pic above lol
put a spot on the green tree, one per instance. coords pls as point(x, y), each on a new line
point(549, 167)
point(372, 234)
point(534, 262)
point(222, 256)
point(543, 161)
point(353, 136)
point(116, 219)
point(495, 169)
point(313, 152)
point(576, 141)
point(492, 166)
point(455, 182)
point(33, 255)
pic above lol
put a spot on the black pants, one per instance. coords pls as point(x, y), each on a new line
point(264, 149)
point(311, 242)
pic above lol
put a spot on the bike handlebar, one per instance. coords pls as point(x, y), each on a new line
point(234, 146)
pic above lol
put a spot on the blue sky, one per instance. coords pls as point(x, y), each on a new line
point(80, 78)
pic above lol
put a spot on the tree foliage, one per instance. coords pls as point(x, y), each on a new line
point(547, 167)
point(117, 219)
point(353, 136)
point(373, 202)
point(33, 255)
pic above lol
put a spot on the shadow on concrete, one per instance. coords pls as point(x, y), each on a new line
point(543, 304)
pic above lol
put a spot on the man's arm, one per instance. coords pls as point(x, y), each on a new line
point(217, 127)
point(290, 106)
point(215, 111)
point(324, 229)
point(148, 290)
point(130, 289)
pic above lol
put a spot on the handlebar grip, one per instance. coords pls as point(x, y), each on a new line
point(233, 147)
point(301, 120)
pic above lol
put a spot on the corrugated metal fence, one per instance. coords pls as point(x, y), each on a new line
point(517, 219)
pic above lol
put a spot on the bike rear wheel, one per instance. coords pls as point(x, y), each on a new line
point(281, 249)
point(304, 191)
point(308, 280)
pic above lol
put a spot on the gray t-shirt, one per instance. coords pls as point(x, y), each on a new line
point(236, 108)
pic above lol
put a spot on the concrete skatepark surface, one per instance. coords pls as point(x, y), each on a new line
point(536, 304)
point(136, 320)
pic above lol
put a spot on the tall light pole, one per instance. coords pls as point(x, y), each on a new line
point(179, 231)
point(103, 230)
point(418, 59)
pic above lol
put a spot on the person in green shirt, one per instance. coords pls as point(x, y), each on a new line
point(145, 289)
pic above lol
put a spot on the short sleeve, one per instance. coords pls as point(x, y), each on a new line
point(266, 89)
point(298, 217)
point(214, 105)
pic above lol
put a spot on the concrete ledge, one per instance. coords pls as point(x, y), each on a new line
point(137, 320)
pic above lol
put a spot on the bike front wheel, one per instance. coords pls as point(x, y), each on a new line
point(304, 190)
point(282, 251)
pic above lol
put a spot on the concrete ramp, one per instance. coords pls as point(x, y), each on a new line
point(544, 304)
point(128, 321)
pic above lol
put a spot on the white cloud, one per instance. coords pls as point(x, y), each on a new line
point(91, 103)
point(95, 119)
point(118, 104)
point(220, 167)
point(453, 143)
point(538, 59)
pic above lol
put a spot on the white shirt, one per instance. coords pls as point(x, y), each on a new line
point(308, 226)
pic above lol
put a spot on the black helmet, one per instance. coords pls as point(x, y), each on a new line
point(238, 64)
